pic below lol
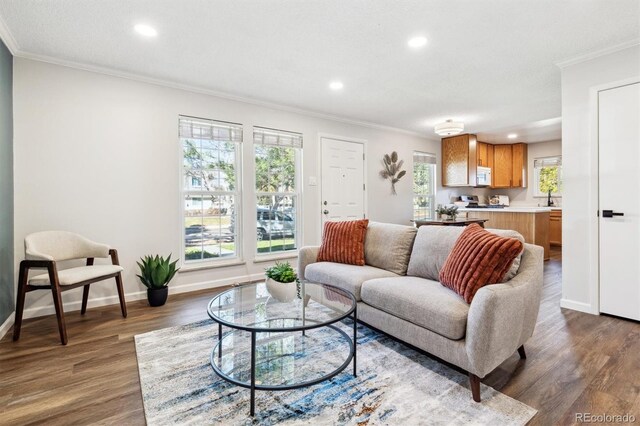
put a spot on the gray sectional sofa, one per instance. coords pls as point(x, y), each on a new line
point(398, 292)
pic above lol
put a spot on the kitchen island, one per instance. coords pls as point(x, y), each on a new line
point(531, 222)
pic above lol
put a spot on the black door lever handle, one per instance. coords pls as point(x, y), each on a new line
point(611, 213)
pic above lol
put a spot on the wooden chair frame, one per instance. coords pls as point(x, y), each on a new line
point(56, 289)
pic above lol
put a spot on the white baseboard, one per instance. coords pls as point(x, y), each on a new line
point(6, 325)
point(577, 306)
point(138, 295)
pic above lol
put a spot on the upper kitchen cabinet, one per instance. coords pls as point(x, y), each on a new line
point(458, 160)
point(510, 166)
point(483, 155)
point(519, 154)
point(502, 166)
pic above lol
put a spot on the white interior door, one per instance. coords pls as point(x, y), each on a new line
point(342, 178)
point(619, 198)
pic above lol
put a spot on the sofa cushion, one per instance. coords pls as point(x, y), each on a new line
point(434, 243)
point(347, 277)
point(478, 258)
point(343, 242)
point(422, 302)
point(388, 246)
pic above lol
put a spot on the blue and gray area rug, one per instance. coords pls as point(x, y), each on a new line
point(395, 384)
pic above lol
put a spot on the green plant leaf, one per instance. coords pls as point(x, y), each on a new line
point(394, 156)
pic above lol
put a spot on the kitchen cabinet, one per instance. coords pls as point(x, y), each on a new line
point(490, 161)
point(519, 162)
point(463, 154)
point(510, 166)
point(555, 227)
point(458, 160)
point(483, 154)
point(502, 166)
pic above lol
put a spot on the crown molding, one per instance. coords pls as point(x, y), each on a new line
point(596, 53)
point(7, 38)
point(200, 90)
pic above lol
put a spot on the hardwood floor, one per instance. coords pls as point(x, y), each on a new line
point(575, 363)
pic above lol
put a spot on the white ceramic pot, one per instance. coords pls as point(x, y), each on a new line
point(283, 292)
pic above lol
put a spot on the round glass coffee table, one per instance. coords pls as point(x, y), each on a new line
point(282, 337)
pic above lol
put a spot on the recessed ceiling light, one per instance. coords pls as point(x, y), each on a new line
point(336, 85)
point(512, 135)
point(416, 42)
point(145, 30)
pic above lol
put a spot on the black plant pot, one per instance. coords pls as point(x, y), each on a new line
point(157, 296)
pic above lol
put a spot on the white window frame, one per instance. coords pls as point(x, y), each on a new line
point(428, 159)
point(285, 139)
point(237, 258)
point(538, 163)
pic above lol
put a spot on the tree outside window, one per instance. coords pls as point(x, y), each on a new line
point(548, 176)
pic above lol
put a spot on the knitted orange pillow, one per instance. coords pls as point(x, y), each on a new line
point(343, 242)
point(478, 258)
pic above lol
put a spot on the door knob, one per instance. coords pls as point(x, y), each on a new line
point(325, 203)
point(611, 213)
point(326, 211)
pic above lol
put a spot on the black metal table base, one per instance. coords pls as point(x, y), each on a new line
point(217, 352)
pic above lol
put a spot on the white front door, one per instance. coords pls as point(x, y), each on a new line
point(343, 189)
point(619, 195)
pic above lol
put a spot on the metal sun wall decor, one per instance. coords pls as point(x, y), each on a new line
point(392, 170)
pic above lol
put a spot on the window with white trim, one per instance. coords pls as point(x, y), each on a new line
point(547, 176)
point(211, 189)
point(424, 185)
point(277, 160)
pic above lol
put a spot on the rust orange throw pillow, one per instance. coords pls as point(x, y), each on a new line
point(478, 258)
point(343, 242)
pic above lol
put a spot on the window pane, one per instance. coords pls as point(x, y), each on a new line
point(275, 169)
point(214, 168)
point(276, 225)
point(549, 180)
point(424, 189)
point(209, 227)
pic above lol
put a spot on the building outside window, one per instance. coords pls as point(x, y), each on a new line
point(547, 175)
point(211, 189)
point(278, 170)
point(424, 185)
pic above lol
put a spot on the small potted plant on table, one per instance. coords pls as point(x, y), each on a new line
point(156, 273)
point(282, 282)
point(451, 212)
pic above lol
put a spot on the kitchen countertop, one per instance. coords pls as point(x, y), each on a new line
point(508, 210)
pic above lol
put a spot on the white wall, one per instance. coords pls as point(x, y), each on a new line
point(98, 155)
point(579, 168)
point(518, 197)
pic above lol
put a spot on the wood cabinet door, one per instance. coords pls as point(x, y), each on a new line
point(490, 161)
point(519, 155)
point(483, 154)
point(555, 228)
point(502, 166)
point(455, 161)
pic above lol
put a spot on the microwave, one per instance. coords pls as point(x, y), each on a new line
point(483, 176)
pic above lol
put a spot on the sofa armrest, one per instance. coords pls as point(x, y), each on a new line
point(502, 316)
point(306, 256)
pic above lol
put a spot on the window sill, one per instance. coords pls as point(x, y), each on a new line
point(274, 257)
point(210, 265)
point(546, 196)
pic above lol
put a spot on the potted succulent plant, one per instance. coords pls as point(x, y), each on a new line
point(155, 273)
point(282, 282)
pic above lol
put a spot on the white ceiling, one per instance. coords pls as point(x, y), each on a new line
point(489, 63)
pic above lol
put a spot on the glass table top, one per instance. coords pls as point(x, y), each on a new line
point(273, 306)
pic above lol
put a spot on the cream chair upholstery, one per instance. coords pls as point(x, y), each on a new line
point(43, 250)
